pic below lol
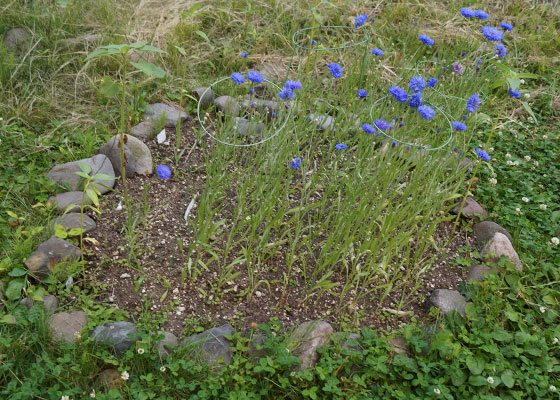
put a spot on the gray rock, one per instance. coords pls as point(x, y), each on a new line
point(499, 246)
point(477, 272)
point(306, 339)
point(50, 253)
point(143, 130)
point(84, 40)
point(118, 335)
point(266, 107)
point(73, 221)
point(347, 341)
point(156, 111)
point(66, 326)
point(227, 105)
point(485, 230)
point(244, 127)
point(471, 209)
point(63, 200)
point(168, 342)
point(211, 346)
point(399, 345)
point(447, 300)
point(99, 164)
point(27, 302)
point(323, 122)
point(143, 164)
point(205, 96)
point(16, 37)
point(50, 303)
point(112, 150)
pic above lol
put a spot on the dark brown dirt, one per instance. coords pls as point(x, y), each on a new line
point(152, 278)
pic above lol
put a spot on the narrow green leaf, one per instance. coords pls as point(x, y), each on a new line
point(203, 36)
point(181, 50)
point(103, 177)
point(93, 196)
point(527, 108)
point(85, 168)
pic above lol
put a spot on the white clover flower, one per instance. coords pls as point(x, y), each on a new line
point(536, 163)
point(65, 398)
point(490, 380)
point(508, 155)
point(542, 207)
point(518, 211)
point(552, 388)
point(555, 241)
point(437, 391)
point(545, 137)
point(92, 394)
point(125, 376)
point(555, 340)
point(493, 181)
point(526, 95)
point(542, 309)
point(527, 158)
point(525, 199)
point(140, 350)
point(522, 81)
point(162, 368)
point(509, 163)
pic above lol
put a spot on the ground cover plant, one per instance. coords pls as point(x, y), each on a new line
point(336, 209)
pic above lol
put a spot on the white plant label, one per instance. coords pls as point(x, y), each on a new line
point(161, 136)
point(189, 208)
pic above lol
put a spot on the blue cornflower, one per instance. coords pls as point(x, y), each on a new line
point(426, 40)
point(377, 52)
point(500, 50)
point(473, 102)
point(251, 90)
point(492, 34)
point(313, 43)
point(237, 78)
point(401, 124)
point(381, 124)
point(293, 85)
point(426, 112)
point(336, 70)
point(438, 130)
point(478, 67)
point(360, 20)
point(255, 76)
point(417, 84)
point(244, 55)
point(394, 143)
point(506, 26)
point(368, 128)
point(432, 82)
point(467, 12)
point(362, 93)
point(415, 100)
point(340, 146)
point(163, 171)
point(286, 94)
point(465, 117)
point(398, 93)
point(295, 163)
point(482, 154)
point(459, 126)
point(514, 93)
point(480, 14)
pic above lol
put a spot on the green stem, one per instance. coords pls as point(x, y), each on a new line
point(121, 139)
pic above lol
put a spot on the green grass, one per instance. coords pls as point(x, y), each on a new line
point(364, 215)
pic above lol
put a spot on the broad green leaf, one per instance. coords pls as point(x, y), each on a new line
point(85, 168)
point(514, 83)
point(527, 75)
point(181, 50)
point(12, 214)
point(82, 174)
point(60, 231)
point(103, 177)
point(17, 271)
point(477, 380)
point(93, 196)
point(8, 319)
point(527, 108)
point(75, 231)
point(102, 51)
point(13, 291)
point(203, 36)
point(475, 365)
point(154, 49)
point(507, 379)
point(149, 69)
point(109, 88)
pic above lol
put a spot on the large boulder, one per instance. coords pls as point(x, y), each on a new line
point(471, 209)
point(166, 344)
point(112, 150)
point(227, 105)
point(204, 95)
point(155, 113)
point(212, 346)
point(244, 127)
point(143, 164)
point(66, 326)
point(485, 230)
point(64, 200)
point(99, 164)
point(144, 130)
point(118, 335)
point(50, 253)
point(306, 339)
point(499, 246)
point(75, 221)
point(448, 300)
